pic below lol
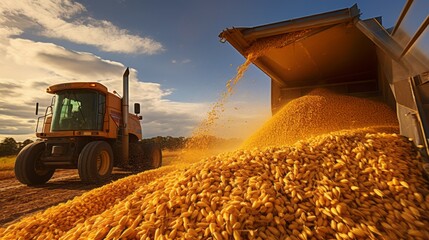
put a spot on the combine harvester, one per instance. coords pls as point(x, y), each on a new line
point(88, 128)
point(348, 55)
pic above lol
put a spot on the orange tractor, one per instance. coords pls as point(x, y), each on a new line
point(88, 128)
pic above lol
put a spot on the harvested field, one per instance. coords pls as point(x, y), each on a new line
point(18, 200)
point(6, 167)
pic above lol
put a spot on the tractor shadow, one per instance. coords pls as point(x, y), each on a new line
point(73, 182)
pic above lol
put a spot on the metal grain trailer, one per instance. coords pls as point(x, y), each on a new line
point(340, 51)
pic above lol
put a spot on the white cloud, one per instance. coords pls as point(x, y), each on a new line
point(68, 20)
point(6, 31)
point(27, 68)
point(184, 61)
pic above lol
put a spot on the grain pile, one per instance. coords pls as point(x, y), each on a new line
point(55, 221)
point(319, 112)
point(354, 184)
point(344, 185)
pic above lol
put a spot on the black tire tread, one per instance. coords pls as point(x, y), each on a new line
point(137, 157)
point(149, 150)
point(22, 169)
point(87, 172)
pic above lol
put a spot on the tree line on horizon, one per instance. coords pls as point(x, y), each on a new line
point(176, 143)
point(9, 146)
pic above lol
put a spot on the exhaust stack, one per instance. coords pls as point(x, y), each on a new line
point(125, 110)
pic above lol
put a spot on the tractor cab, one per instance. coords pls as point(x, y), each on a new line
point(78, 109)
point(81, 109)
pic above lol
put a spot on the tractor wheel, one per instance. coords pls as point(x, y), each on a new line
point(153, 155)
point(95, 162)
point(136, 157)
point(28, 166)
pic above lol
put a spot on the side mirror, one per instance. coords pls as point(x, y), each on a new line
point(136, 108)
point(37, 109)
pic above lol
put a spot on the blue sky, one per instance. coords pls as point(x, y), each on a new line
point(179, 66)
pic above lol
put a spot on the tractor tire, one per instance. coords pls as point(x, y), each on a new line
point(137, 157)
point(153, 155)
point(95, 162)
point(28, 167)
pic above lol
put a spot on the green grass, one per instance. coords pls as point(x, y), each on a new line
point(7, 163)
